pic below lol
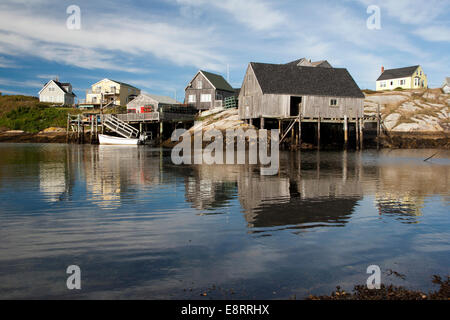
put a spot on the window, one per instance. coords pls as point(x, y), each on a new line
point(383, 84)
point(333, 102)
point(199, 84)
point(392, 83)
point(401, 82)
point(191, 98)
point(205, 98)
point(416, 81)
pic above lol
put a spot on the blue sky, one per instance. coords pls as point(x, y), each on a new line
point(159, 45)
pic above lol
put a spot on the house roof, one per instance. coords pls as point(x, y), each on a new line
point(60, 85)
point(446, 81)
point(161, 99)
point(217, 81)
point(308, 63)
point(397, 73)
point(294, 80)
point(121, 83)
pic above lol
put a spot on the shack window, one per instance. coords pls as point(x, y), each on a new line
point(205, 98)
point(191, 98)
point(199, 84)
point(333, 102)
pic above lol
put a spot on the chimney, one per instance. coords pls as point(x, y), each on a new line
point(382, 69)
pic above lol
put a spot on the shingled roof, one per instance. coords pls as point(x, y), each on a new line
point(217, 81)
point(397, 73)
point(61, 86)
point(291, 79)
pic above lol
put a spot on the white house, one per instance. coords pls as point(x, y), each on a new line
point(57, 93)
point(446, 85)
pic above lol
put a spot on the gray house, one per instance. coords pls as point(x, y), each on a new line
point(310, 89)
point(58, 93)
point(207, 90)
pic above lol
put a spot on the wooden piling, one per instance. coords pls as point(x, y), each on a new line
point(357, 133)
point(345, 132)
point(300, 130)
point(378, 126)
point(262, 123)
point(361, 133)
point(318, 133)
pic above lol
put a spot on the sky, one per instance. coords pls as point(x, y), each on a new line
point(158, 46)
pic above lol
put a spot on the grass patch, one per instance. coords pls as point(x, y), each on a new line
point(28, 114)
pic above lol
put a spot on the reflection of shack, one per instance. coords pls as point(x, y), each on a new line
point(403, 207)
point(112, 170)
point(274, 202)
point(211, 186)
point(52, 180)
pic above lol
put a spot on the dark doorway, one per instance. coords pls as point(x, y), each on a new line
point(296, 103)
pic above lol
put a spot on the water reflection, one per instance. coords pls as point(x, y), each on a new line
point(312, 189)
point(143, 227)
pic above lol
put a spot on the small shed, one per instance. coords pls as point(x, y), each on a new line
point(145, 103)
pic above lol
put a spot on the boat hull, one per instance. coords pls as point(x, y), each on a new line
point(110, 140)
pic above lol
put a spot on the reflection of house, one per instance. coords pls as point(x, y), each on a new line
point(403, 207)
point(52, 180)
point(109, 91)
point(406, 78)
point(211, 186)
point(58, 93)
point(207, 90)
point(148, 103)
point(275, 201)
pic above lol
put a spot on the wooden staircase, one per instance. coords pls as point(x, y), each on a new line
point(120, 127)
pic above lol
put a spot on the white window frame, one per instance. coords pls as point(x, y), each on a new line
point(335, 104)
point(206, 97)
point(199, 84)
point(192, 98)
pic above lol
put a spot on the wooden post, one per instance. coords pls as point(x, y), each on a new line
point(161, 130)
point(361, 133)
point(251, 121)
point(318, 133)
point(67, 130)
point(357, 133)
point(262, 123)
point(345, 132)
point(300, 130)
point(378, 126)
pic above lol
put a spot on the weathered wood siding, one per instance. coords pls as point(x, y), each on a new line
point(254, 104)
point(207, 88)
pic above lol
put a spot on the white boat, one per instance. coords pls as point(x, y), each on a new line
point(110, 140)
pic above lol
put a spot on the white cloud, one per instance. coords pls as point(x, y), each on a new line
point(434, 33)
point(22, 84)
point(256, 14)
point(6, 63)
point(99, 43)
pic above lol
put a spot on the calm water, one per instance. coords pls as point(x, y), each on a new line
point(140, 227)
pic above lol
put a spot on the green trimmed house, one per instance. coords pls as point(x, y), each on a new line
point(207, 91)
